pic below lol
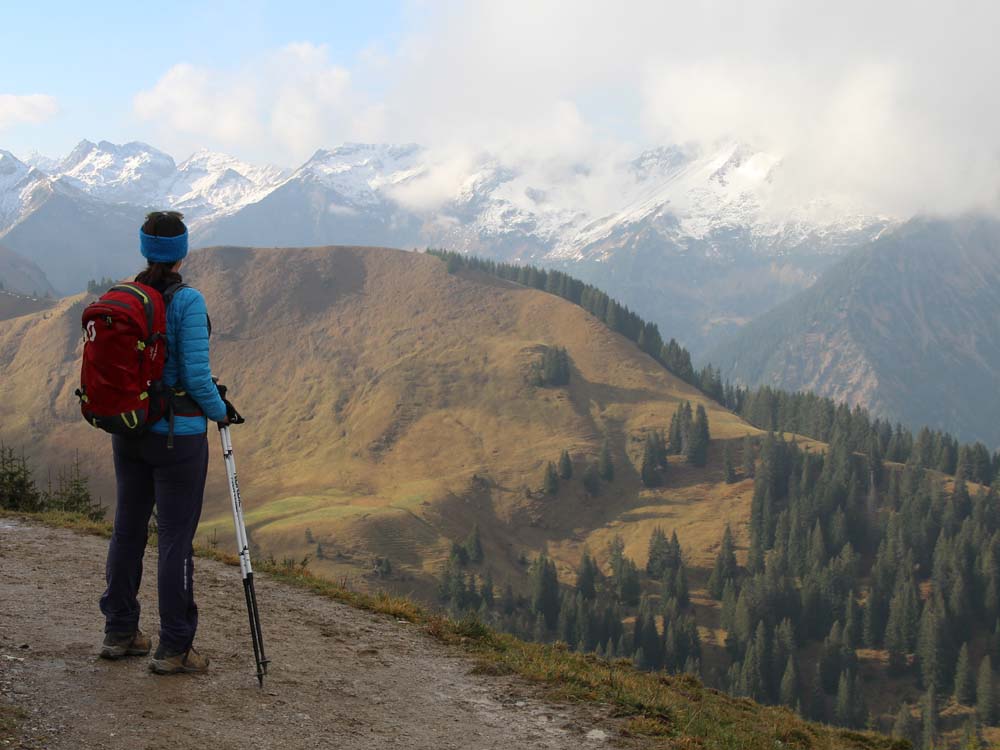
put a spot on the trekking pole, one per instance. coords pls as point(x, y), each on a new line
point(243, 545)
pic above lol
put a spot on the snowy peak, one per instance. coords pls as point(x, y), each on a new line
point(717, 201)
point(359, 172)
point(210, 184)
point(12, 169)
point(17, 184)
point(130, 173)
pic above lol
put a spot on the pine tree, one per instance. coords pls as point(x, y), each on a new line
point(749, 459)
point(605, 466)
point(628, 584)
point(507, 601)
point(660, 557)
point(906, 727)
point(965, 688)
point(725, 568)
point(649, 471)
point(474, 545)
point(551, 481)
point(487, 590)
point(565, 466)
point(986, 704)
point(697, 447)
point(586, 577)
point(545, 591)
point(929, 711)
point(789, 692)
point(727, 463)
point(592, 478)
point(929, 647)
point(844, 707)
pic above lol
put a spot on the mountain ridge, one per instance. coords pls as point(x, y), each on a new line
point(670, 210)
point(906, 326)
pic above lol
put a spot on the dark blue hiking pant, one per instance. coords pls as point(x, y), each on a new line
point(148, 473)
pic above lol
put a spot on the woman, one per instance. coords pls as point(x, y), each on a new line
point(167, 466)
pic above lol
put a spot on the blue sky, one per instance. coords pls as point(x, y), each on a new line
point(94, 57)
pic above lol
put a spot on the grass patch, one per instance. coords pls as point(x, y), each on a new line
point(675, 710)
point(10, 722)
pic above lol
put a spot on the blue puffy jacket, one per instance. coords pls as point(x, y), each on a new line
point(187, 366)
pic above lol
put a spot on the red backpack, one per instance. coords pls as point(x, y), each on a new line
point(125, 348)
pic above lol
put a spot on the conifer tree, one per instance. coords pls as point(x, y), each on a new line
point(550, 483)
point(727, 463)
point(986, 703)
point(545, 591)
point(649, 470)
point(749, 459)
point(660, 557)
point(507, 601)
point(697, 445)
point(929, 712)
point(725, 568)
point(965, 687)
point(474, 545)
point(817, 699)
point(929, 647)
point(905, 726)
point(628, 584)
point(843, 710)
point(592, 478)
point(586, 577)
point(605, 466)
point(565, 466)
point(487, 590)
point(789, 691)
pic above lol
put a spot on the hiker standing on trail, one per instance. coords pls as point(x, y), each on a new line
point(166, 464)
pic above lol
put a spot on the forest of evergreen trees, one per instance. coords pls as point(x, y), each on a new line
point(845, 553)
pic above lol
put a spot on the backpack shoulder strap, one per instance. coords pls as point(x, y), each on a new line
point(170, 291)
point(135, 291)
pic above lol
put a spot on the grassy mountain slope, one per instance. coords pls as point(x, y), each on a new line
point(908, 326)
point(390, 409)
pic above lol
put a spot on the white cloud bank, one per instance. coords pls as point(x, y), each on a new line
point(892, 103)
point(279, 107)
point(18, 109)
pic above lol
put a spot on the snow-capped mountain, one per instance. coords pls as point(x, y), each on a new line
point(138, 174)
point(130, 173)
point(210, 184)
point(676, 218)
point(17, 182)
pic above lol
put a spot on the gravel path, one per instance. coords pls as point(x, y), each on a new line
point(340, 677)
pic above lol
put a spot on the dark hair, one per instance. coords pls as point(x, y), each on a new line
point(162, 224)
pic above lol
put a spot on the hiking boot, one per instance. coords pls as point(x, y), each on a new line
point(183, 662)
point(117, 645)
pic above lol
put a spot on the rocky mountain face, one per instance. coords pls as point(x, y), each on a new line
point(908, 325)
point(698, 241)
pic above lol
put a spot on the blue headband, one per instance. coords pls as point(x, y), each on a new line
point(163, 249)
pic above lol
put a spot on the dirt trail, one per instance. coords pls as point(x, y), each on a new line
point(340, 678)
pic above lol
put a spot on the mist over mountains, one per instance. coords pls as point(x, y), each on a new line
point(693, 238)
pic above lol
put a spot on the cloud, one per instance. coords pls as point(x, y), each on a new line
point(890, 104)
point(28, 108)
point(279, 107)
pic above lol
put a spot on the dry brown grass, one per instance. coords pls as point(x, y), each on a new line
point(389, 410)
